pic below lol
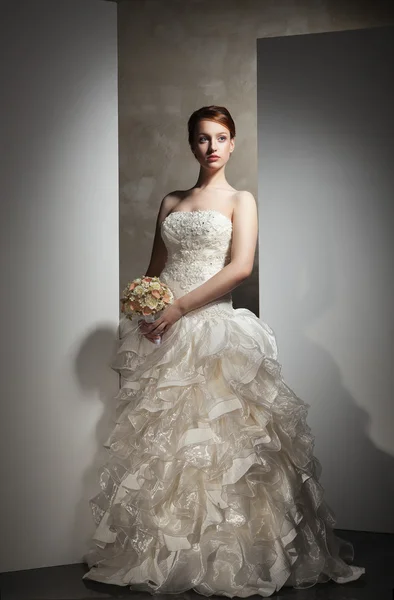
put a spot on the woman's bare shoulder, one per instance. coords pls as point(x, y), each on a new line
point(245, 205)
point(244, 197)
point(244, 193)
point(176, 196)
point(172, 199)
point(169, 202)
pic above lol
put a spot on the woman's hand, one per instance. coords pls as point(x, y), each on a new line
point(170, 315)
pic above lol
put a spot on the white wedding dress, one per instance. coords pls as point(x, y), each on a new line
point(211, 483)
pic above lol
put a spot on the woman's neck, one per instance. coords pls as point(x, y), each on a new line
point(209, 179)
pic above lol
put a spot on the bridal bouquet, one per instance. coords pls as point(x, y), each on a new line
point(146, 297)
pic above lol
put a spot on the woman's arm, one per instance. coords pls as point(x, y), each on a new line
point(245, 227)
point(159, 251)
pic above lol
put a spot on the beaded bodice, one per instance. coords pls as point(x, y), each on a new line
point(199, 245)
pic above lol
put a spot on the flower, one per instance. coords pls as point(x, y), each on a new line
point(145, 296)
point(138, 290)
point(134, 305)
point(151, 302)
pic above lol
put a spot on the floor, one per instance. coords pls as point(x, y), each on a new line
point(374, 551)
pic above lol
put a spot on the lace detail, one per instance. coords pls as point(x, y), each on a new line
point(198, 245)
point(222, 309)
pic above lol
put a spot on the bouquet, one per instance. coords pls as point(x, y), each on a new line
point(146, 297)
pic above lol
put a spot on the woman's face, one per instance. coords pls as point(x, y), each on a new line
point(212, 140)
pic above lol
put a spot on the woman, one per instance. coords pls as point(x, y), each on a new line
point(211, 483)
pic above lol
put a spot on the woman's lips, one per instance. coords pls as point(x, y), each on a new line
point(213, 158)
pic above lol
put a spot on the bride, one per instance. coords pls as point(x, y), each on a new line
point(211, 483)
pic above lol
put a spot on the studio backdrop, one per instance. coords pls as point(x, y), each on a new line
point(326, 189)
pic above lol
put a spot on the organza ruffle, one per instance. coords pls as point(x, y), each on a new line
point(211, 482)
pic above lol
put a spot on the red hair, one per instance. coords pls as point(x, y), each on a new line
point(218, 114)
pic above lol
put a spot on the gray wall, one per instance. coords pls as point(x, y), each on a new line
point(326, 147)
point(59, 271)
point(177, 55)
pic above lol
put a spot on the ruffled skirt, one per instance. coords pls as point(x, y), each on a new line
point(211, 483)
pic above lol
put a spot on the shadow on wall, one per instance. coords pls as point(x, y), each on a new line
point(95, 376)
point(359, 475)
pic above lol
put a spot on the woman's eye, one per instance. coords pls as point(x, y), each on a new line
point(204, 139)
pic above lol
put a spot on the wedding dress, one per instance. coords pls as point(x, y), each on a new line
point(211, 483)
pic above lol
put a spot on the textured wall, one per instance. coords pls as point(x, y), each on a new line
point(178, 55)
